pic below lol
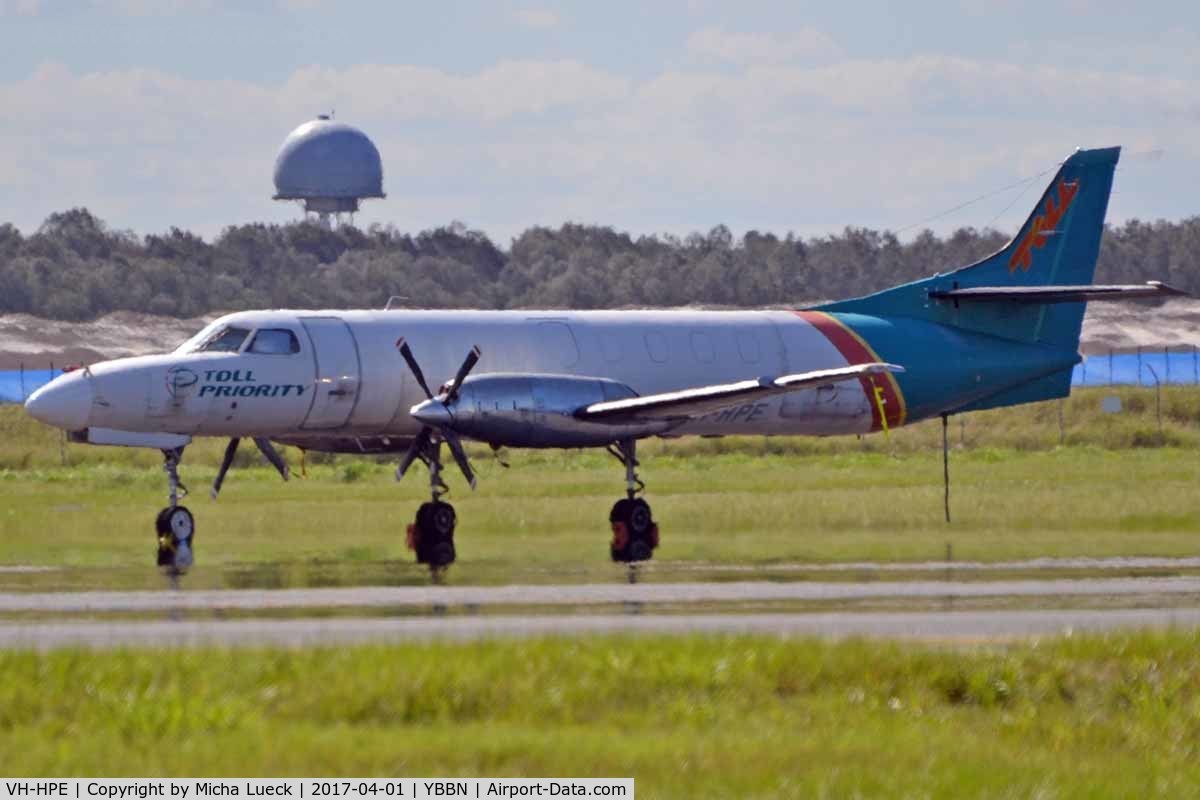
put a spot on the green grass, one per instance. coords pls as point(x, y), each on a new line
point(1016, 494)
point(687, 717)
point(1113, 716)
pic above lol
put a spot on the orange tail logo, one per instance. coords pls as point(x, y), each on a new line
point(1043, 226)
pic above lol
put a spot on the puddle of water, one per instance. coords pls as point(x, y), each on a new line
point(333, 573)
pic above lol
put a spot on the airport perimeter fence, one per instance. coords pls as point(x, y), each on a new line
point(17, 384)
point(1140, 366)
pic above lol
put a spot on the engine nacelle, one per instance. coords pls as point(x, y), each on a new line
point(530, 410)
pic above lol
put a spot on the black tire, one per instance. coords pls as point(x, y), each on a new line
point(160, 522)
point(166, 556)
point(176, 528)
point(423, 522)
point(639, 519)
point(443, 520)
point(639, 550)
point(435, 534)
point(422, 533)
point(180, 524)
point(620, 511)
point(441, 554)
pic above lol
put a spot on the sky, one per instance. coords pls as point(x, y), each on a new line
point(664, 117)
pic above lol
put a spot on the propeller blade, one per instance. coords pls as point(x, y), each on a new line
point(460, 456)
point(468, 364)
point(226, 462)
point(420, 442)
point(407, 353)
point(268, 450)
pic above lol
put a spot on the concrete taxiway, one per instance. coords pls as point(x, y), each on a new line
point(416, 597)
point(274, 616)
point(960, 626)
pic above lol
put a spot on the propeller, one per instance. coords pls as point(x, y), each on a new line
point(264, 446)
point(436, 415)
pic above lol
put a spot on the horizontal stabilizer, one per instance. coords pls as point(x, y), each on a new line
point(692, 403)
point(1058, 294)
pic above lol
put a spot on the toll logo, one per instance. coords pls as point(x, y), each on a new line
point(1044, 225)
point(180, 381)
point(242, 383)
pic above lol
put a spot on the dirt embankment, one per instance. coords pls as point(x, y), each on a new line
point(1127, 326)
point(37, 343)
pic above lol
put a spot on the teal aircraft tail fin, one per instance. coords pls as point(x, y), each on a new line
point(1056, 247)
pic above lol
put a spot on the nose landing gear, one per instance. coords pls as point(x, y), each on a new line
point(175, 525)
point(635, 533)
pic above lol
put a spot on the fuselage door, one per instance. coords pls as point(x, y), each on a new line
point(337, 372)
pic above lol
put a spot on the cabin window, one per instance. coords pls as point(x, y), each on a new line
point(748, 347)
point(226, 340)
point(274, 342)
point(656, 347)
point(702, 347)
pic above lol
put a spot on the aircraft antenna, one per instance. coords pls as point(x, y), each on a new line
point(946, 461)
point(1023, 182)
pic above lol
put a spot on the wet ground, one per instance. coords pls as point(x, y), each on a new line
point(302, 604)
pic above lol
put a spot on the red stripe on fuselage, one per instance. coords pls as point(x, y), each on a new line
point(856, 351)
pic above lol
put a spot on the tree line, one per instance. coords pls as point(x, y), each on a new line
point(74, 267)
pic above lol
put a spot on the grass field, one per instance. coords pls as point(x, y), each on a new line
point(1117, 486)
point(1114, 716)
point(687, 717)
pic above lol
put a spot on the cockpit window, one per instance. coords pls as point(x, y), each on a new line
point(226, 340)
point(274, 342)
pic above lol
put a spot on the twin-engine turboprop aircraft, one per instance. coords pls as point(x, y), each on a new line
point(1000, 332)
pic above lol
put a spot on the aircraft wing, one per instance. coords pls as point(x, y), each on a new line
point(701, 400)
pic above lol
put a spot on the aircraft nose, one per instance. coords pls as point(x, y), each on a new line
point(65, 402)
point(432, 413)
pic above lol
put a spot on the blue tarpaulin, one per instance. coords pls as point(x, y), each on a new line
point(1139, 369)
point(16, 385)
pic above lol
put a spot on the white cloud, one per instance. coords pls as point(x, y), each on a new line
point(773, 145)
point(145, 8)
point(504, 90)
point(538, 18)
point(20, 8)
point(806, 44)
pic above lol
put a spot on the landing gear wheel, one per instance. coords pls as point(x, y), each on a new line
point(176, 530)
point(640, 521)
point(432, 535)
point(635, 534)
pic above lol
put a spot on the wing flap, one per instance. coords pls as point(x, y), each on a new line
point(701, 400)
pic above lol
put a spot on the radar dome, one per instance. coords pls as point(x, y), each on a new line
point(329, 166)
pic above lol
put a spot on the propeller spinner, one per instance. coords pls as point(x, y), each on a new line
point(436, 414)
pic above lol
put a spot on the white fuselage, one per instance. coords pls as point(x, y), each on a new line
point(347, 379)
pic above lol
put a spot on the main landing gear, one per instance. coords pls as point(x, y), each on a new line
point(175, 525)
point(635, 533)
point(431, 536)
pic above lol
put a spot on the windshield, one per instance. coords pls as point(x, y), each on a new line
point(200, 336)
point(274, 342)
point(225, 340)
